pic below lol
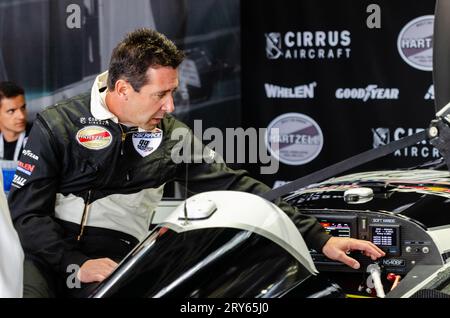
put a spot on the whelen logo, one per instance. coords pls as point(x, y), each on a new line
point(415, 43)
point(298, 92)
point(25, 167)
point(383, 136)
point(308, 45)
point(370, 92)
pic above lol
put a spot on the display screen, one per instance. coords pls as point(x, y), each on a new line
point(386, 237)
point(340, 229)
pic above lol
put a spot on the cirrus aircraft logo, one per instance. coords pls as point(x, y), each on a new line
point(294, 139)
point(383, 135)
point(309, 45)
point(415, 43)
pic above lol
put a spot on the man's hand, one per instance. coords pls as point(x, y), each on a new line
point(336, 249)
point(96, 270)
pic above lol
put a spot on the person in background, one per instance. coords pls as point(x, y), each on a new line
point(13, 120)
point(13, 127)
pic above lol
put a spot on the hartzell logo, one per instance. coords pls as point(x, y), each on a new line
point(308, 45)
point(94, 137)
point(370, 92)
point(415, 43)
point(294, 139)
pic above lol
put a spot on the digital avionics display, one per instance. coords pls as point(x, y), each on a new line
point(340, 229)
point(387, 238)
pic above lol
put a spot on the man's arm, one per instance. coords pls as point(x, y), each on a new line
point(32, 201)
point(217, 176)
point(207, 171)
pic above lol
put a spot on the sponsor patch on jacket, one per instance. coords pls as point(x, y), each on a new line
point(25, 167)
point(30, 154)
point(147, 142)
point(18, 182)
point(94, 137)
point(93, 121)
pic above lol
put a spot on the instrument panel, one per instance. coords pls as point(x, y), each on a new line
point(405, 241)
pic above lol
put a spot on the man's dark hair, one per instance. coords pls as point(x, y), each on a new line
point(138, 51)
point(10, 89)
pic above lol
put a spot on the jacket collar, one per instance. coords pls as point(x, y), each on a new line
point(98, 93)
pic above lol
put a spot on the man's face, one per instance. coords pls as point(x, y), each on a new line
point(13, 114)
point(147, 108)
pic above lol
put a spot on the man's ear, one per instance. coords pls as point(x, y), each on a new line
point(122, 88)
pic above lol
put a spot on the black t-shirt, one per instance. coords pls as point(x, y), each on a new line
point(8, 149)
